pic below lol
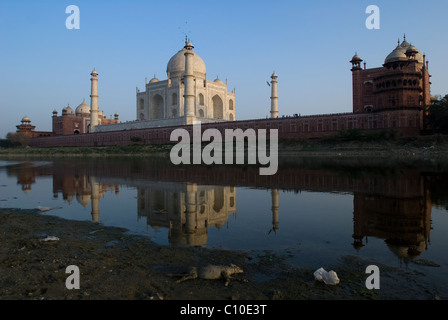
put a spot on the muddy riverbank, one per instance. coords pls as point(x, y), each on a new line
point(36, 250)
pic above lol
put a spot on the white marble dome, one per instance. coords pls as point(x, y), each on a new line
point(218, 81)
point(83, 108)
point(399, 53)
point(68, 110)
point(176, 65)
point(418, 55)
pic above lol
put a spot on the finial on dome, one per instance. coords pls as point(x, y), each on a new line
point(188, 45)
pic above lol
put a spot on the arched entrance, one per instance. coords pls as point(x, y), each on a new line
point(156, 108)
point(218, 110)
point(218, 199)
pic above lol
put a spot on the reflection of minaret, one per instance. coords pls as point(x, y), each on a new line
point(190, 210)
point(274, 195)
point(95, 186)
point(358, 232)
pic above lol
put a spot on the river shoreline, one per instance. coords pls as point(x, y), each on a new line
point(426, 146)
point(116, 265)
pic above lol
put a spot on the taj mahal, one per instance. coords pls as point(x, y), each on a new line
point(393, 97)
point(164, 99)
point(185, 97)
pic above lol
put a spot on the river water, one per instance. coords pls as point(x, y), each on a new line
point(314, 210)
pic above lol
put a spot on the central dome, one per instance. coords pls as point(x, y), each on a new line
point(176, 65)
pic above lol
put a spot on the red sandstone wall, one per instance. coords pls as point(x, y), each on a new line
point(405, 122)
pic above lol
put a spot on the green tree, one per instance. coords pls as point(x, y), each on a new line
point(18, 139)
point(438, 114)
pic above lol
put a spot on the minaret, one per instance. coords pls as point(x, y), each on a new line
point(357, 83)
point(189, 84)
point(274, 97)
point(94, 101)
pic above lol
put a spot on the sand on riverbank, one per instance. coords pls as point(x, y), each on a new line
point(116, 265)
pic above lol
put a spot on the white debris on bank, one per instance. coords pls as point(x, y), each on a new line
point(50, 238)
point(330, 277)
point(44, 209)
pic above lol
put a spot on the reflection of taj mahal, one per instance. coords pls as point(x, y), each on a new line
point(187, 210)
point(396, 209)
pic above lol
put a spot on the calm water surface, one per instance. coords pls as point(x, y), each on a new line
point(313, 210)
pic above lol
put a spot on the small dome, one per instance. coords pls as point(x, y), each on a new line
point(405, 44)
point(399, 54)
point(68, 110)
point(26, 119)
point(176, 65)
point(83, 108)
point(411, 48)
point(218, 81)
point(418, 55)
point(84, 199)
point(406, 48)
point(154, 80)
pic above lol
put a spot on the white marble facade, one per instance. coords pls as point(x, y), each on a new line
point(165, 99)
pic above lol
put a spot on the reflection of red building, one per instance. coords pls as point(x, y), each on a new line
point(399, 211)
point(394, 205)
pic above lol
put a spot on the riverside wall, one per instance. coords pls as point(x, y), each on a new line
point(404, 122)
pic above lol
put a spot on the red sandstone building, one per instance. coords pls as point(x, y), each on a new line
point(70, 122)
point(28, 129)
point(391, 97)
point(402, 83)
point(77, 121)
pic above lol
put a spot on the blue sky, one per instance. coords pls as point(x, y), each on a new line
point(44, 66)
